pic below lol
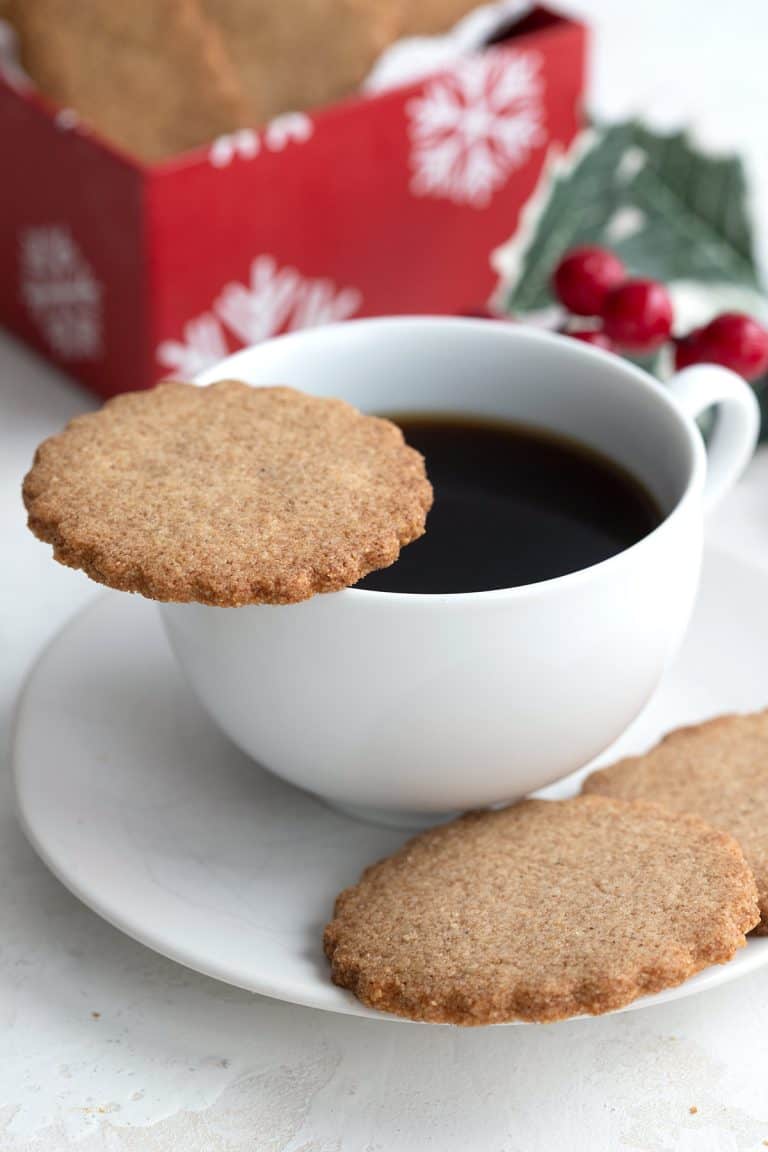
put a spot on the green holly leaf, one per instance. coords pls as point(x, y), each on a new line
point(668, 209)
point(761, 390)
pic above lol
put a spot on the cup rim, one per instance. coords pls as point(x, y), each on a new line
point(513, 331)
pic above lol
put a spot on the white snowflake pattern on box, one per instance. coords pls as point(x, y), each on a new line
point(472, 128)
point(224, 149)
point(60, 292)
point(204, 344)
point(276, 299)
point(291, 127)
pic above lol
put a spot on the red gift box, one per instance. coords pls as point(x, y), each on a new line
point(123, 273)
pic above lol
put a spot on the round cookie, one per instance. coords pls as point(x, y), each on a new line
point(717, 770)
point(154, 76)
point(227, 495)
point(540, 911)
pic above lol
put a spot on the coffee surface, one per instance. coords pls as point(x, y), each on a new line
point(513, 505)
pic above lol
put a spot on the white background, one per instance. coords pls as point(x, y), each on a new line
point(177, 1061)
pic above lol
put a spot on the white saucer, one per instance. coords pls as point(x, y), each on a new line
point(149, 815)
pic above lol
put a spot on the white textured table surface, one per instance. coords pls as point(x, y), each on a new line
point(176, 1061)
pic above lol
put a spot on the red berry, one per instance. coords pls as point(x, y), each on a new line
point(638, 315)
point(593, 336)
point(736, 341)
point(584, 276)
point(688, 349)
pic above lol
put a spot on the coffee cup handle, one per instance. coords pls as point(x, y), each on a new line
point(736, 428)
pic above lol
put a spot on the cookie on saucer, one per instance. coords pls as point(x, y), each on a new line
point(540, 911)
point(227, 495)
point(717, 770)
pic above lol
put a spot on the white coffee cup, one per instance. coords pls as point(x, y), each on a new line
point(396, 706)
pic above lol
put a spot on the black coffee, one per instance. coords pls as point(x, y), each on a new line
point(513, 505)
